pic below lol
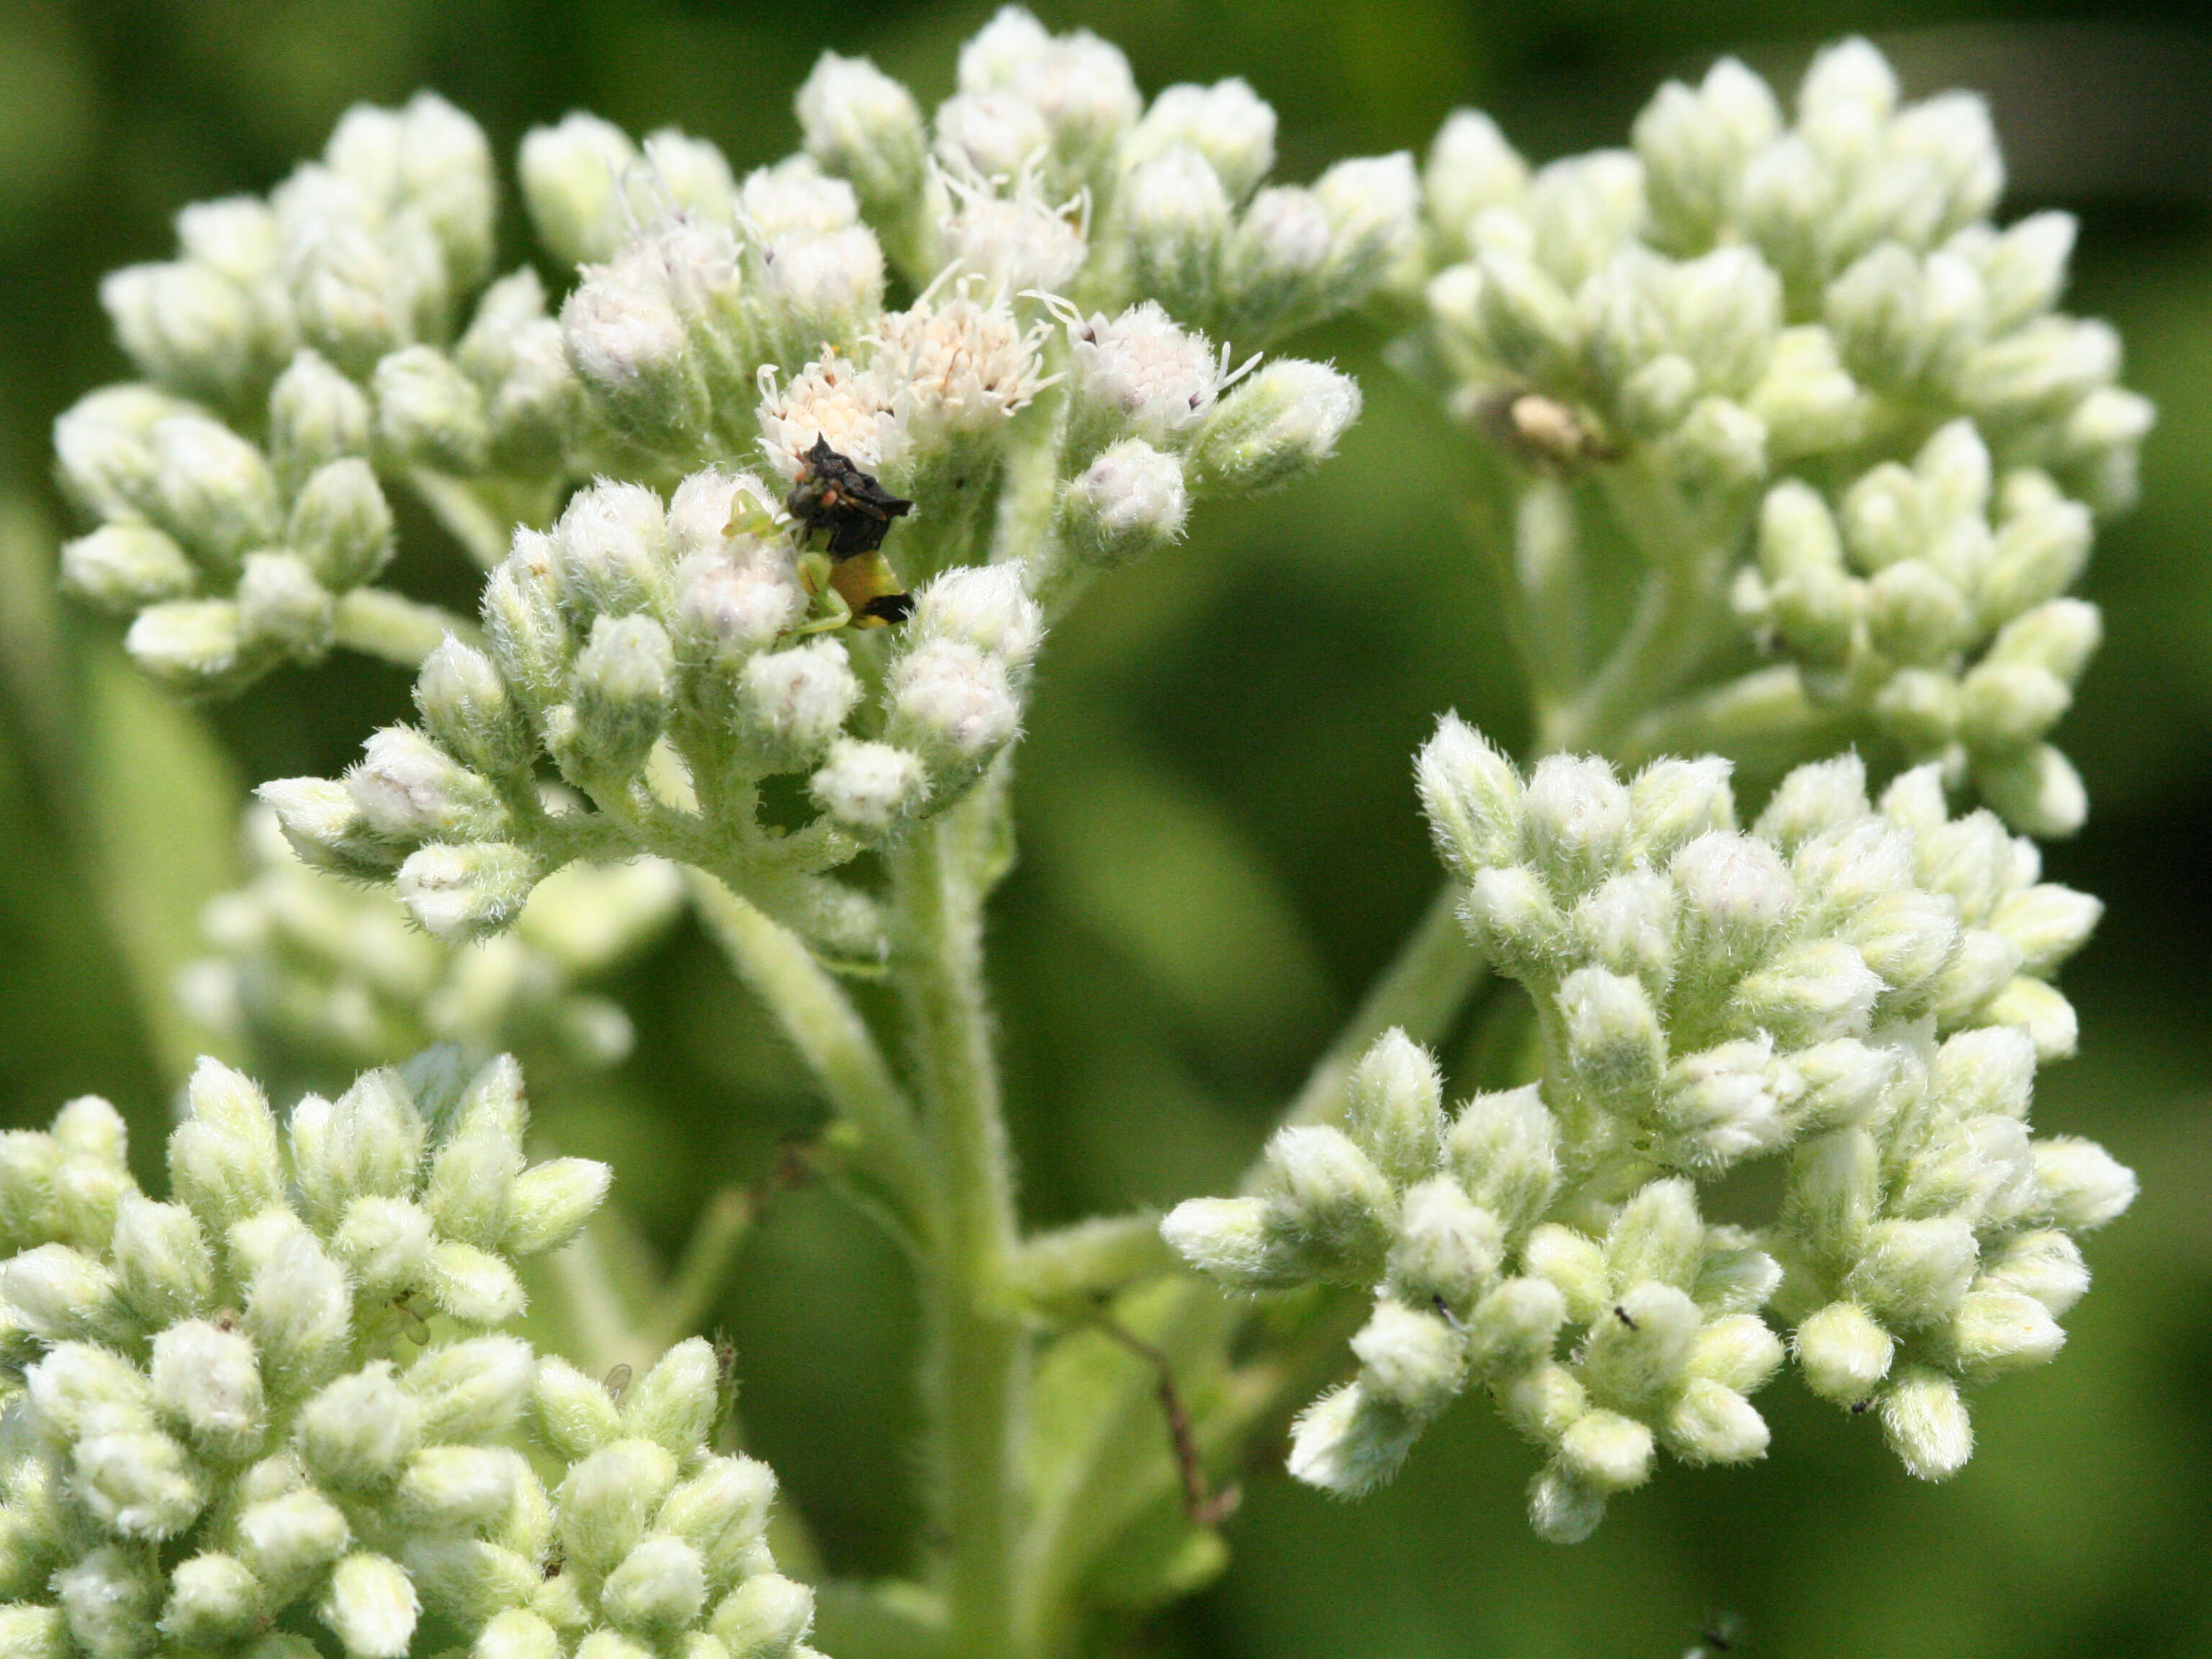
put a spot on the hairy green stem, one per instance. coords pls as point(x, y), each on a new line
point(378, 622)
point(977, 1362)
point(835, 1042)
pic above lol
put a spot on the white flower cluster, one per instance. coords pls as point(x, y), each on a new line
point(648, 651)
point(1940, 621)
point(276, 1400)
point(1046, 170)
point(311, 967)
point(303, 347)
point(1866, 985)
point(1742, 306)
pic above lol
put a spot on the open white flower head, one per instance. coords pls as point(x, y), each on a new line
point(959, 367)
point(1861, 987)
point(834, 398)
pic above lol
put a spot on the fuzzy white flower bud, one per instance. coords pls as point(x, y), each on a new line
point(410, 790)
point(1130, 502)
point(863, 126)
point(206, 1382)
point(124, 566)
point(622, 683)
point(869, 786)
point(1283, 421)
point(1926, 1424)
point(572, 184)
point(428, 413)
point(458, 891)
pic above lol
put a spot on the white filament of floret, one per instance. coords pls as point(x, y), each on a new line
point(832, 398)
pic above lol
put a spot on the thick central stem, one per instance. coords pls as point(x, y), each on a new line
point(977, 1366)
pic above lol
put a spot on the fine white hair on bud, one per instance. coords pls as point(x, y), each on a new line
point(1280, 423)
point(869, 786)
point(1130, 502)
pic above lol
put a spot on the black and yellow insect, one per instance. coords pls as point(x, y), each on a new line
point(855, 513)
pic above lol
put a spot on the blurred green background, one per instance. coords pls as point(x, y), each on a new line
point(1221, 844)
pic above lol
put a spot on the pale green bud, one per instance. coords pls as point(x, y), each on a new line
point(659, 1585)
point(2038, 791)
point(299, 1312)
point(1227, 122)
point(1711, 1422)
point(2047, 923)
point(428, 413)
point(574, 1411)
point(1736, 1351)
point(1606, 1451)
point(211, 490)
point(1720, 1103)
point(1721, 447)
point(1332, 1197)
point(188, 327)
point(1808, 402)
point(1410, 1358)
point(722, 1510)
point(1471, 167)
point(466, 891)
point(1348, 1441)
point(473, 1390)
point(608, 1499)
point(1906, 938)
point(1672, 802)
point(2040, 372)
point(1129, 502)
point(675, 1404)
point(109, 1599)
point(1173, 215)
point(357, 1433)
point(1512, 1329)
point(410, 790)
point(78, 1388)
point(1654, 399)
point(951, 704)
point(206, 1382)
point(793, 703)
point(139, 1483)
point(764, 1618)
point(548, 1204)
point(1511, 913)
point(1575, 820)
point(2045, 1264)
point(2058, 637)
point(1473, 796)
point(1695, 145)
point(1926, 1424)
point(870, 787)
point(524, 618)
point(59, 1293)
point(341, 524)
point(1628, 925)
point(1657, 1235)
point(1395, 1109)
point(35, 1633)
point(223, 1159)
point(452, 1487)
point(864, 127)
point(474, 1286)
point(632, 346)
point(1503, 1147)
point(1839, 1083)
point(1528, 323)
point(370, 1606)
point(573, 178)
point(817, 287)
point(468, 1580)
point(1913, 1272)
point(517, 1633)
point(1996, 1331)
point(1275, 264)
point(1279, 424)
point(612, 551)
point(1735, 890)
point(1447, 1245)
point(1842, 1353)
point(212, 1599)
point(323, 824)
point(2039, 1010)
point(1809, 993)
point(466, 705)
point(2078, 1184)
point(2006, 705)
point(1238, 1241)
point(1574, 1266)
point(621, 683)
point(124, 566)
point(2040, 553)
point(608, 1644)
point(285, 1540)
point(162, 1264)
point(1613, 1040)
point(316, 416)
point(1726, 309)
point(1915, 614)
point(281, 606)
point(1563, 1509)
